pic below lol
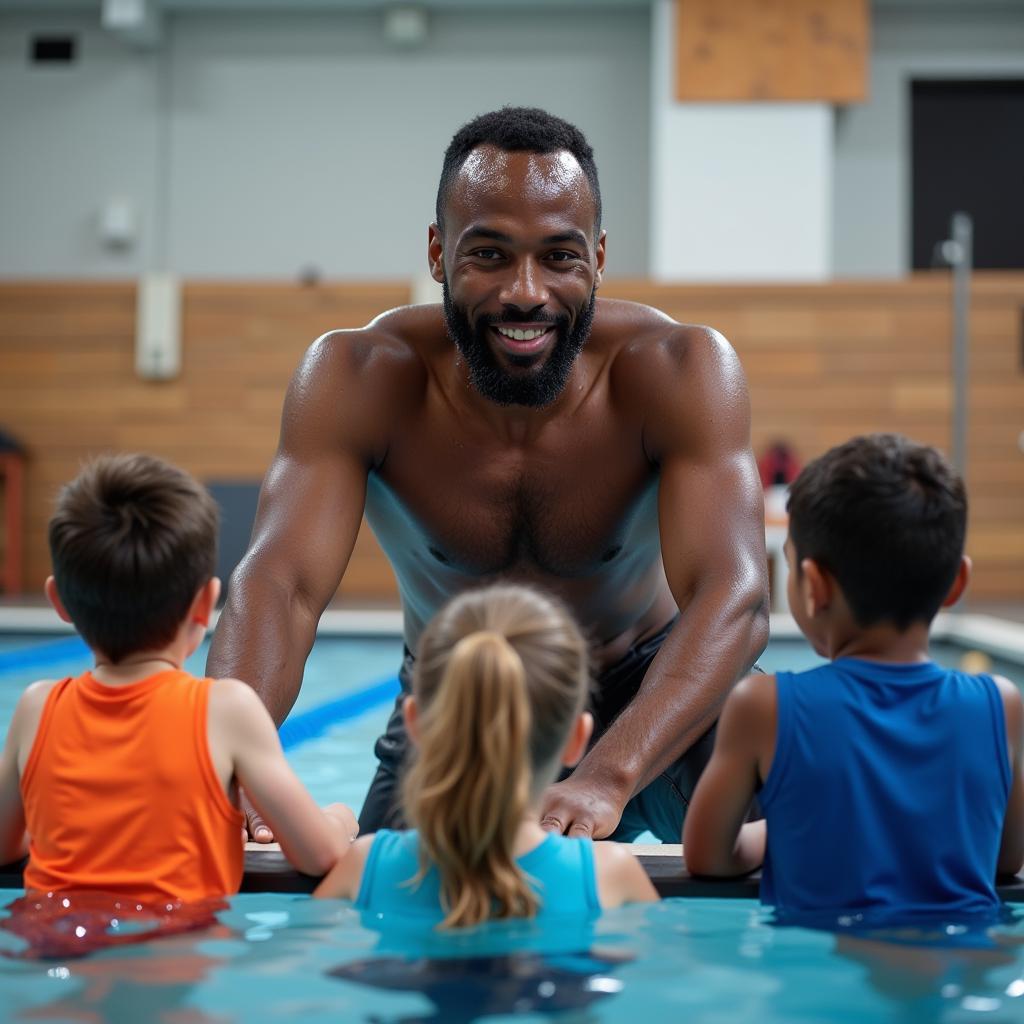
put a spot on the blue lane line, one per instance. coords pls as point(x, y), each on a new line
point(313, 723)
point(43, 654)
point(298, 729)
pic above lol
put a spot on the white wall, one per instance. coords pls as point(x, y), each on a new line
point(872, 211)
point(274, 142)
point(742, 191)
point(257, 144)
point(70, 138)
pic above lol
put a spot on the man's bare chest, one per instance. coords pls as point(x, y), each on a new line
point(564, 505)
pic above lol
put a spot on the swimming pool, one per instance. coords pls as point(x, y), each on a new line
point(272, 957)
point(347, 693)
point(350, 684)
point(277, 958)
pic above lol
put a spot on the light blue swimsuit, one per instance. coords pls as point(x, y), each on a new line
point(560, 869)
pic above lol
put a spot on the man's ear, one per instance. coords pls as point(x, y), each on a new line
point(411, 717)
point(50, 589)
point(435, 253)
point(600, 254)
point(963, 577)
point(579, 736)
point(815, 586)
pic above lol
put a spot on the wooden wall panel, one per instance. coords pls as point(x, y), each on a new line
point(823, 363)
point(68, 388)
point(743, 50)
point(883, 356)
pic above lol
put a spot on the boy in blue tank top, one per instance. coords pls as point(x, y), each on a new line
point(888, 783)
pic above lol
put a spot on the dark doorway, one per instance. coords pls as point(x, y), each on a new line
point(967, 153)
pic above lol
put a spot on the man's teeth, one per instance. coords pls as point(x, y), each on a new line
point(517, 335)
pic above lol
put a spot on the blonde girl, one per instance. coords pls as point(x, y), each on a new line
point(497, 708)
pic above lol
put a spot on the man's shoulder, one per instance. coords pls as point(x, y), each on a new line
point(407, 333)
point(675, 374)
point(645, 340)
point(390, 356)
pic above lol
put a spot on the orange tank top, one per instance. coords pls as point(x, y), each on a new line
point(120, 793)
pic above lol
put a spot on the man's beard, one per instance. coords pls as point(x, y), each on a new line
point(536, 387)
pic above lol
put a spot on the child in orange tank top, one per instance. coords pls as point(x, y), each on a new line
point(126, 778)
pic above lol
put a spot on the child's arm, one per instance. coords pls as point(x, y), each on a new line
point(715, 840)
point(21, 734)
point(239, 724)
point(620, 878)
point(1011, 849)
point(344, 878)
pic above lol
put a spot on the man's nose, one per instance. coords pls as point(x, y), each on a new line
point(525, 287)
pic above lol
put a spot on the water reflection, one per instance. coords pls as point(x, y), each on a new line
point(465, 989)
point(68, 925)
point(929, 967)
point(282, 958)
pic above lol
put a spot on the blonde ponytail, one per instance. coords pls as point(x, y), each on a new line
point(469, 786)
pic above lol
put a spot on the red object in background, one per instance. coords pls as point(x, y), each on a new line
point(12, 473)
point(778, 466)
point(12, 466)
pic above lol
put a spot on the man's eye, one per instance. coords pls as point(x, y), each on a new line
point(487, 254)
point(563, 256)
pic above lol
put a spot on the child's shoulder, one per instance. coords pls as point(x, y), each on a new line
point(238, 717)
point(29, 711)
point(37, 692)
point(753, 696)
point(233, 697)
point(1013, 705)
point(345, 878)
point(620, 876)
point(1007, 689)
point(33, 700)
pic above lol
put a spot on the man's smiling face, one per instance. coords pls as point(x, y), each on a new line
point(521, 265)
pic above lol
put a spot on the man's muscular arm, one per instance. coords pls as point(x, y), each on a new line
point(309, 512)
point(711, 522)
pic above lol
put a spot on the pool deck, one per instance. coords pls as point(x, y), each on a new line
point(267, 870)
point(997, 629)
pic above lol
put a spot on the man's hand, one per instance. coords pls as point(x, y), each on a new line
point(581, 807)
point(257, 829)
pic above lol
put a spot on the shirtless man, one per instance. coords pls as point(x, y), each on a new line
point(527, 430)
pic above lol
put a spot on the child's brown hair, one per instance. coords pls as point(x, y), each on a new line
point(132, 540)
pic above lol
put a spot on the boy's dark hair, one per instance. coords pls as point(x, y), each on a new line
point(132, 540)
point(887, 518)
point(526, 129)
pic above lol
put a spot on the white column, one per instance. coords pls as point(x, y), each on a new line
point(739, 191)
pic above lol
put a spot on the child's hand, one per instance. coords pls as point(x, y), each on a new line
point(342, 817)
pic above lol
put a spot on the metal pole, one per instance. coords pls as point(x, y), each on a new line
point(958, 252)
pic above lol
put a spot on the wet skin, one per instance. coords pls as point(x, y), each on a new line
point(631, 494)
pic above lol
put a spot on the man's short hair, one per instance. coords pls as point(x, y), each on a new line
point(132, 540)
point(887, 518)
point(517, 129)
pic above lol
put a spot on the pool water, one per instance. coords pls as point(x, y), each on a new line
point(273, 957)
point(276, 958)
point(336, 765)
point(336, 760)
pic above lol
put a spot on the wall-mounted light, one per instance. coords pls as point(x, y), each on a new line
point(158, 327)
point(118, 223)
point(406, 26)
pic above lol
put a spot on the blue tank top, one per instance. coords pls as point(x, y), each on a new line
point(560, 869)
point(887, 791)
